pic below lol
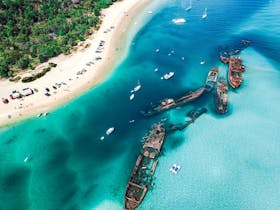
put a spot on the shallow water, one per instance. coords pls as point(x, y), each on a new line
point(228, 162)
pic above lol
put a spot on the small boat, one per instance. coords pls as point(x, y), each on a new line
point(45, 114)
point(182, 58)
point(150, 12)
point(102, 138)
point(204, 15)
point(178, 21)
point(131, 121)
point(26, 159)
point(157, 50)
point(221, 96)
point(40, 115)
point(190, 6)
point(235, 71)
point(156, 70)
point(175, 168)
point(168, 75)
point(131, 96)
point(202, 62)
point(211, 79)
point(136, 88)
point(110, 131)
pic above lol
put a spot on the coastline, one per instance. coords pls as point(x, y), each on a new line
point(117, 20)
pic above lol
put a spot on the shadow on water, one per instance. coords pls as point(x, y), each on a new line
point(14, 188)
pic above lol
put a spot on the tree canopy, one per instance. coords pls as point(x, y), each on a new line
point(32, 31)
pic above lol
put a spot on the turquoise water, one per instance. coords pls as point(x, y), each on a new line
point(228, 162)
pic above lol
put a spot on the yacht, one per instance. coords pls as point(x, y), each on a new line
point(168, 75)
point(190, 6)
point(175, 168)
point(131, 96)
point(178, 21)
point(110, 130)
point(204, 15)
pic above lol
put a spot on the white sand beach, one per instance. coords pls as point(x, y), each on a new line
point(75, 73)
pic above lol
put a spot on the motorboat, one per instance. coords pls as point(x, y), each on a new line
point(202, 62)
point(131, 96)
point(26, 159)
point(168, 75)
point(102, 138)
point(110, 131)
point(178, 21)
point(204, 15)
point(175, 168)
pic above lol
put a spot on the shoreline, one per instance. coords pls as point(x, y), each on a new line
point(117, 21)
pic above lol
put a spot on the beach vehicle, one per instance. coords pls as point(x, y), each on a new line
point(175, 168)
point(221, 96)
point(5, 100)
point(26, 92)
point(178, 21)
point(211, 79)
point(142, 174)
point(190, 6)
point(15, 95)
point(204, 15)
point(131, 97)
point(110, 131)
point(168, 75)
point(235, 71)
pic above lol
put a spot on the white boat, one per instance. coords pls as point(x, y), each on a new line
point(204, 15)
point(168, 75)
point(110, 130)
point(157, 50)
point(183, 58)
point(102, 138)
point(131, 121)
point(175, 168)
point(45, 114)
point(156, 70)
point(202, 62)
point(178, 21)
point(136, 88)
point(131, 96)
point(26, 159)
point(150, 12)
point(40, 115)
point(190, 6)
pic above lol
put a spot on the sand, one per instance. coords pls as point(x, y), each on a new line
point(68, 83)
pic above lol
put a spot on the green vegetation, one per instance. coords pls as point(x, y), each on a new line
point(34, 31)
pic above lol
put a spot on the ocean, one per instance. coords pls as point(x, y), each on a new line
point(227, 162)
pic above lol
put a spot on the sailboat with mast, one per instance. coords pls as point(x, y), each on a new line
point(204, 15)
point(178, 20)
point(190, 6)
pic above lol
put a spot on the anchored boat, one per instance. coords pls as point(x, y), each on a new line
point(235, 71)
point(170, 103)
point(211, 78)
point(221, 97)
point(141, 177)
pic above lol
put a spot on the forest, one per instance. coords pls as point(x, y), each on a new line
point(32, 31)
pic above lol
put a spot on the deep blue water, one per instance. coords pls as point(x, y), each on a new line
point(70, 168)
